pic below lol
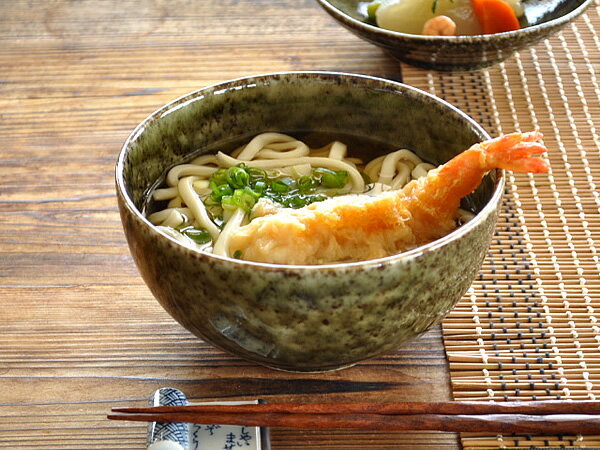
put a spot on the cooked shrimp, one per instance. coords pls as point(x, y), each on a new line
point(361, 227)
point(439, 26)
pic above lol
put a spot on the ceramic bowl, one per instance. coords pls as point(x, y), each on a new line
point(304, 318)
point(451, 53)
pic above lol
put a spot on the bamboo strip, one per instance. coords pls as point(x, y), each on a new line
point(510, 396)
point(546, 371)
point(523, 386)
point(522, 333)
point(493, 323)
point(553, 357)
point(457, 315)
point(528, 394)
point(530, 376)
point(508, 443)
point(492, 358)
point(538, 347)
point(511, 443)
point(510, 306)
point(525, 394)
point(511, 366)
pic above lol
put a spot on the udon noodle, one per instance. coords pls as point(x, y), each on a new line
point(213, 195)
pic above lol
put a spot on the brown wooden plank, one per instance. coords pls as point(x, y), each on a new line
point(79, 330)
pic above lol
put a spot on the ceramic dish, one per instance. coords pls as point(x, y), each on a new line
point(318, 317)
point(451, 53)
point(184, 436)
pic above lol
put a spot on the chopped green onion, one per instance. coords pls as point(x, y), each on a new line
point(259, 187)
point(227, 202)
point(299, 200)
point(372, 9)
point(282, 185)
point(332, 178)
point(237, 177)
point(242, 186)
point(273, 174)
point(295, 201)
point(244, 198)
point(237, 254)
point(219, 177)
point(219, 191)
point(256, 173)
point(198, 235)
point(306, 184)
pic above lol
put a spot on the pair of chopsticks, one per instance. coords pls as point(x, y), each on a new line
point(550, 417)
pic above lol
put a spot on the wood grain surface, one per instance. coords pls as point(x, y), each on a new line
point(79, 331)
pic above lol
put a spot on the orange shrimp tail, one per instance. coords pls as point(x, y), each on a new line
point(442, 190)
point(516, 152)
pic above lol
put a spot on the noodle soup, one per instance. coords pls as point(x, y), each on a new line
point(202, 202)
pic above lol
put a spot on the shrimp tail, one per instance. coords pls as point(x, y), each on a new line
point(462, 174)
point(516, 152)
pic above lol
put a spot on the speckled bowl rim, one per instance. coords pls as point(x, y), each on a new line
point(180, 102)
point(507, 35)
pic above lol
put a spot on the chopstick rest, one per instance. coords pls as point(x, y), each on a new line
point(168, 435)
point(208, 435)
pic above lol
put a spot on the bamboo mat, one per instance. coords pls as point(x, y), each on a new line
point(528, 327)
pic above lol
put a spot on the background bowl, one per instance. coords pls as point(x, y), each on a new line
point(451, 53)
point(304, 318)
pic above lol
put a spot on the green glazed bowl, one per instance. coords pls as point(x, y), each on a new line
point(304, 318)
point(453, 53)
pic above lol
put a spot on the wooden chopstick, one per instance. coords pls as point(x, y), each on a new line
point(545, 417)
point(392, 408)
point(496, 423)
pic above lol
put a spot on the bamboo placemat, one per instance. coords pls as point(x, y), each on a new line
point(528, 327)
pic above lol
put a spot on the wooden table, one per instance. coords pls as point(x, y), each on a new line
point(79, 331)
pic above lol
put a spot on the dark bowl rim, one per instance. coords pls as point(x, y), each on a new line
point(181, 101)
point(507, 35)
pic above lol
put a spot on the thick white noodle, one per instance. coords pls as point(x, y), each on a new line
point(176, 202)
point(165, 193)
point(161, 217)
point(338, 150)
point(172, 193)
point(204, 160)
point(299, 170)
point(193, 201)
point(402, 176)
point(388, 167)
point(202, 187)
point(174, 219)
point(186, 170)
point(358, 184)
point(201, 184)
point(373, 168)
point(221, 246)
point(421, 170)
point(258, 143)
point(326, 152)
point(292, 149)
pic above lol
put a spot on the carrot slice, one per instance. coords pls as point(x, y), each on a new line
point(495, 16)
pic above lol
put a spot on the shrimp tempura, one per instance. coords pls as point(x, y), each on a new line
point(362, 227)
